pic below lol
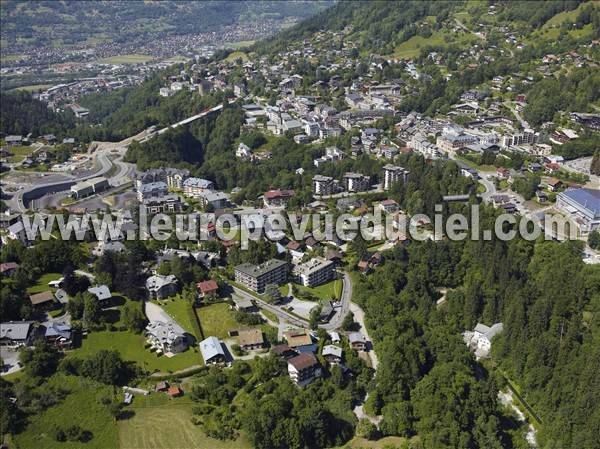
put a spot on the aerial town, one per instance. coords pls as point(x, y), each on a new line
point(308, 125)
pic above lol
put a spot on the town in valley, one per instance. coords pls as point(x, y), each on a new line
point(241, 111)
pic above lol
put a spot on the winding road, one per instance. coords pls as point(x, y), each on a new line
point(100, 152)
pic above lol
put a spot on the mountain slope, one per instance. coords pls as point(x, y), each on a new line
point(39, 23)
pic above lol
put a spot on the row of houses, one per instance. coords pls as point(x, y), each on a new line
point(25, 333)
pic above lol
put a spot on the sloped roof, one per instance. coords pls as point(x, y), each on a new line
point(303, 361)
point(41, 298)
point(295, 338)
point(586, 198)
point(101, 292)
point(62, 330)
point(250, 337)
point(333, 350)
point(211, 347)
point(15, 330)
point(207, 286)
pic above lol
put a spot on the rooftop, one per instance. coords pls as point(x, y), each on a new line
point(259, 270)
point(15, 330)
point(298, 337)
point(156, 282)
point(586, 198)
point(248, 337)
point(101, 292)
point(41, 298)
point(211, 347)
point(303, 361)
point(333, 350)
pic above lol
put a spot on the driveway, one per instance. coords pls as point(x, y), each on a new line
point(359, 317)
point(154, 312)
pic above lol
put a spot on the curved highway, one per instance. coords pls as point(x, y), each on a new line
point(101, 151)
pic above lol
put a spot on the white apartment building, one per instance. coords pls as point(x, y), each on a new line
point(323, 185)
point(356, 182)
point(195, 187)
point(393, 174)
point(316, 271)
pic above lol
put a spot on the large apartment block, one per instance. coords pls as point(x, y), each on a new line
point(323, 185)
point(355, 182)
point(392, 174)
point(257, 277)
point(527, 137)
point(314, 272)
point(173, 177)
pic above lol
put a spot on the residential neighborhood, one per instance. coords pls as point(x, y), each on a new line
point(300, 224)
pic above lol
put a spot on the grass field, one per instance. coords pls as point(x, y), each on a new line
point(412, 47)
point(180, 311)
point(239, 44)
point(562, 17)
point(18, 153)
point(8, 58)
point(176, 58)
point(168, 427)
point(270, 315)
point(81, 407)
point(324, 291)
point(131, 348)
point(217, 319)
point(34, 87)
point(235, 55)
point(125, 59)
point(42, 283)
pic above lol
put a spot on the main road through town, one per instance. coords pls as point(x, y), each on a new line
point(100, 152)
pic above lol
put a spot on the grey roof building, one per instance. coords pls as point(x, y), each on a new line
point(257, 277)
point(16, 332)
point(56, 330)
point(212, 351)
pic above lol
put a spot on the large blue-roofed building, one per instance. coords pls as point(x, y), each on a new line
point(583, 206)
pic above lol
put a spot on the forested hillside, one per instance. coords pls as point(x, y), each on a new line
point(382, 25)
point(548, 300)
point(21, 114)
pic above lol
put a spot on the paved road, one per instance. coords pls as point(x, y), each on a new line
point(359, 317)
point(462, 25)
point(277, 311)
point(101, 151)
point(345, 300)
point(490, 187)
point(521, 120)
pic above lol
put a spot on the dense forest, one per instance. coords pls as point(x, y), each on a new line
point(572, 92)
point(21, 114)
point(114, 115)
point(428, 384)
